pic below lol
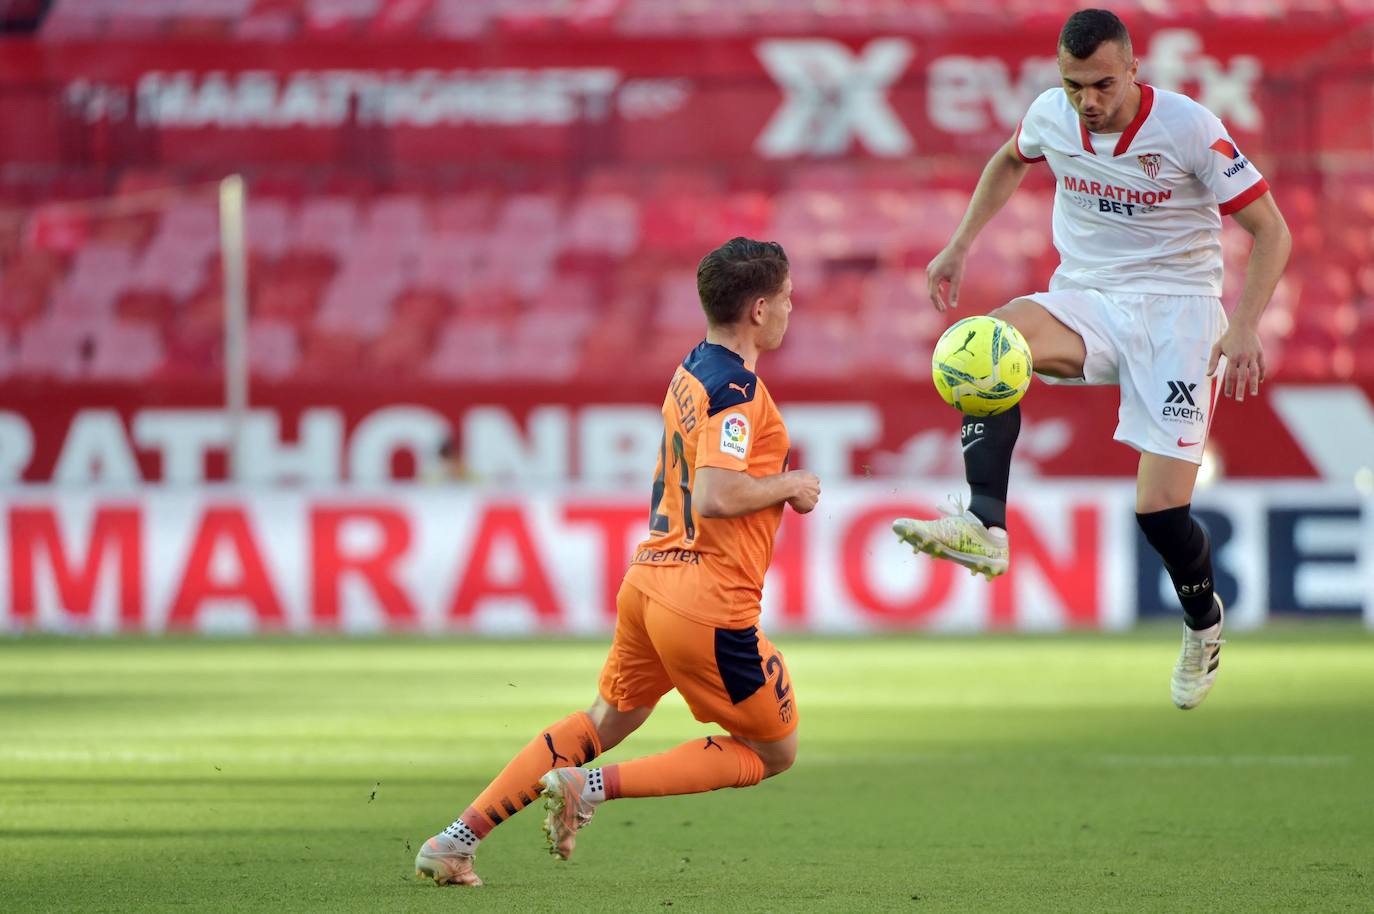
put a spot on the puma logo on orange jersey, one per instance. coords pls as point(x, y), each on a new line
point(743, 391)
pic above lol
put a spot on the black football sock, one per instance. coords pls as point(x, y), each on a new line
point(1187, 553)
point(988, 442)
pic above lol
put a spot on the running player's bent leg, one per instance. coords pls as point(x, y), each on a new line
point(698, 766)
point(571, 741)
point(571, 795)
point(778, 755)
point(701, 765)
point(632, 680)
point(732, 677)
point(695, 766)
point(447, 857)
point(1164, 489)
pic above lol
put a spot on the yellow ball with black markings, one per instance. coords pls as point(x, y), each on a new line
point(981, 366)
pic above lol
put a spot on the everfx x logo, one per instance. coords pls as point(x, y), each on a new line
point(832, 95)
point(1181, 392)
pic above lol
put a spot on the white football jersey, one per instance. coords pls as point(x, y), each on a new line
point(1140, 211)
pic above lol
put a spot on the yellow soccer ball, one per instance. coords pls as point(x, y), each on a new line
point(981, 366)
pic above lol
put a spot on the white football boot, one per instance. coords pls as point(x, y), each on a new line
point(958, 536)
point(443, 859)
point(1196, 669)
point(566, 809)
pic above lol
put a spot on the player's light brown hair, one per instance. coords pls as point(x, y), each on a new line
point(1086, 30)
point(737, 273)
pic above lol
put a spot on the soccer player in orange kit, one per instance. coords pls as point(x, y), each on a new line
point(688, 609)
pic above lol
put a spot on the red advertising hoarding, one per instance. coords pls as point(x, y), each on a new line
point(602, 433)
point(549, 560)
point(597, 99)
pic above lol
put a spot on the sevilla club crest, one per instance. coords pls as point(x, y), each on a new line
point(1149, 163)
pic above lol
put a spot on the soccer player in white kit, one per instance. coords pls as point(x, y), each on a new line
point(1143, 178)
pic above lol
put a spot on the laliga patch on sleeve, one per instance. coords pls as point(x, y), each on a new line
point(734, 435)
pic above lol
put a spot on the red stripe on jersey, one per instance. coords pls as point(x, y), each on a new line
point(1087, 140)
point(1225, 148)
point(1245, 197)
point(1147, 101)
point(1016, 148)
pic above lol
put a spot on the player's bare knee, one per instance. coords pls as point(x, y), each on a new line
point(1019, 312)
point(1163, 483)
point(779, 762)
point(1056, 350)
point(599, 710)
point(777, 756)
point(1028, 318)
point(1162, 494)
point(613, 725)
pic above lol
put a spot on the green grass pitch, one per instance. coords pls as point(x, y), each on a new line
point(945, 774)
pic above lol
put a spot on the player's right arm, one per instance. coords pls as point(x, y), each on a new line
point(999, 181)
point(718, 492)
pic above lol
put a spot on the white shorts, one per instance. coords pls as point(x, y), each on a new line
point(1156, 348)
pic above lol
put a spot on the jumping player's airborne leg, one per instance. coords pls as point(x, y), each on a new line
point(1186, 551)
point(977, 537)
point(988, 443)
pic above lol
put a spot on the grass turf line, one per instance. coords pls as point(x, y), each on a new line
point(994, 774)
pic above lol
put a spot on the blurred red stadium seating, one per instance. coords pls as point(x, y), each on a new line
point(502, 285)
point(554, 276)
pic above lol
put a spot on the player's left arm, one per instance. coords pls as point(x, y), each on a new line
point(1268, 256)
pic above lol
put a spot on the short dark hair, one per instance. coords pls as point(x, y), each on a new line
point(735, 274)
point(1086, 30)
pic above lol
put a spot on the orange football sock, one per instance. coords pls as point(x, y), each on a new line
point(694, 767)
point(569, 743)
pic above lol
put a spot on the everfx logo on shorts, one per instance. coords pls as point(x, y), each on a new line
point(1181, 393)
point(832, 96)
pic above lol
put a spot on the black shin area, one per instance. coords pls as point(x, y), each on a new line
point(988, 442)
point(1187, 553)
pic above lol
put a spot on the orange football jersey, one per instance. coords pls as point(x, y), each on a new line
point(717, 413)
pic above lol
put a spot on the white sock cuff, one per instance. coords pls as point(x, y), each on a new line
point(595, 788)
point(464, 839)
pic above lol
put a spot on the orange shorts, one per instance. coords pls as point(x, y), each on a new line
point(732, 677)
